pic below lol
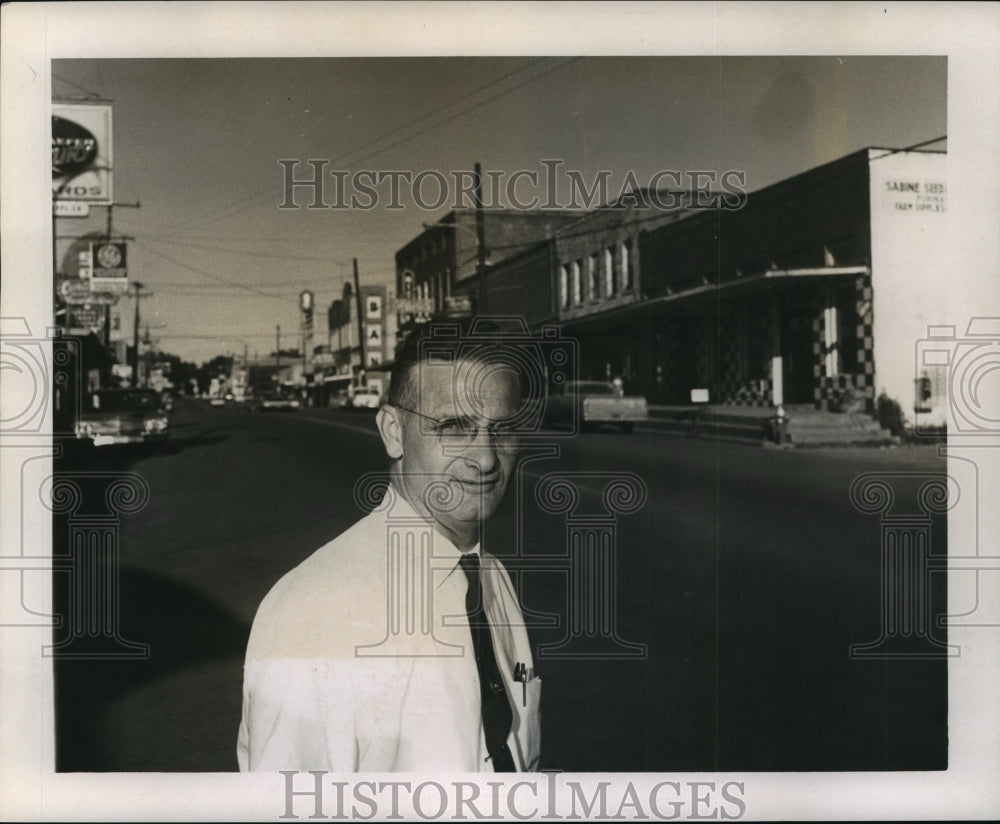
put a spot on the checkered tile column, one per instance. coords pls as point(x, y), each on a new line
point(730, 376)
point(704, 372)
point(761, 330)
point(669, 348)
point(754, 330)
point(818, 336)
point(865, 381)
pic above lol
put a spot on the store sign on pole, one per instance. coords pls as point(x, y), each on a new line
point(109, 271)
point(82, 157)
point(78, 292)
point(71, 208)
point(84, 320)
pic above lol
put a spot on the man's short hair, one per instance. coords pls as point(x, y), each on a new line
point(439, 341)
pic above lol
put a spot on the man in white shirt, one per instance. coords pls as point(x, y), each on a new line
point(400, 645)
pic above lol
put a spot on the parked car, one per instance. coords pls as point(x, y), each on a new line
point(275, 402)
point(120, 416)
point(365, 397)
point(341, 399)
point(594, 404)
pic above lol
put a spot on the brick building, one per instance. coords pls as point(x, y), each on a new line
point(436, 272)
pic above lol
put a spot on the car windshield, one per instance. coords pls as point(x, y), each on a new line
point(119, 400)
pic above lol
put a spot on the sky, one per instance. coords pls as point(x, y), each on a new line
point(197, 143)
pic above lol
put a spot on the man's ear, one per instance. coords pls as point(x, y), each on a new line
point(391, 430)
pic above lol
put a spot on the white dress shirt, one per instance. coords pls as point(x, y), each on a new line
point(360, 659)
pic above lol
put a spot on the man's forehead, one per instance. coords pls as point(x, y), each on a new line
point(466, 382)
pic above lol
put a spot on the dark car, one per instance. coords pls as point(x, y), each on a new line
point(275, 402)
point(120, 416)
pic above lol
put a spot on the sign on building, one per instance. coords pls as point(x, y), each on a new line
point(82, 320)
point(82, 156)
point(108, 266)
point(78, 292)
point(71, 208)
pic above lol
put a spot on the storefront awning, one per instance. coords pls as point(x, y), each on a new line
point(712, 291)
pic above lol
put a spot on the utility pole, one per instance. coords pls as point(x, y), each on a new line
point(277, 357)
point(480, 242)
point(361, 322)
point(107, 309)
point(148, 359)
point(135, 330)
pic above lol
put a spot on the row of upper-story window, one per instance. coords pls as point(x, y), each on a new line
point(601, 274)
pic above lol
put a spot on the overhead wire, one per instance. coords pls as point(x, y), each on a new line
point(90, 92)
point(248, 202)
point(250, 252)
point(210, 275)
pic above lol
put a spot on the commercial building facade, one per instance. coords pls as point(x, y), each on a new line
point(815, 291)
point(356, 352)
point(437, 271)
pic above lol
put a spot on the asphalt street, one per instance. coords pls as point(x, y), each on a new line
point(738, 579)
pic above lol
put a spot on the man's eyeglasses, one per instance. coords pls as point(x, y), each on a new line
point(461, 431)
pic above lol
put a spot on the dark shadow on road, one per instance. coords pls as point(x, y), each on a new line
point(155, 714)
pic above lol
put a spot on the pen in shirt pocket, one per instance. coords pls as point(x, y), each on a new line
point(523, 674)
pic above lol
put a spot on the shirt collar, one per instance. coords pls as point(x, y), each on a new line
point(445, 553)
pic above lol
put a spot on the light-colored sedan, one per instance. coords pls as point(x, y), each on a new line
point(365, 397)
point(594, 405)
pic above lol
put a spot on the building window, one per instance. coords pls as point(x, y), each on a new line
point(564, 285)
point(593, 278)
point(577, 284)
point(609, 271)
point(626, 268)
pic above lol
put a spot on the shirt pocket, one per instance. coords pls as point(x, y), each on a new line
point(529, 733)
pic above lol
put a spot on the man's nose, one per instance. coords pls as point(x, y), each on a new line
point(482, 451)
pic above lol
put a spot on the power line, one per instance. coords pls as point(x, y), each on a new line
point(90, 92)
point(251, 252)
point(198, 271)
point(441, 108)
point(248, 202)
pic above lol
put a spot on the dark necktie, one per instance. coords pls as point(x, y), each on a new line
point(497, 716)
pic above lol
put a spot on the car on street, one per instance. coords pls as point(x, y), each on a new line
point(122, 416)
point(365, 397)
point(594, 405)
point(275, 402)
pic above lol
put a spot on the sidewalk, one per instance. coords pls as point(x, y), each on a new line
point(744, 424)
point(805, 426)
